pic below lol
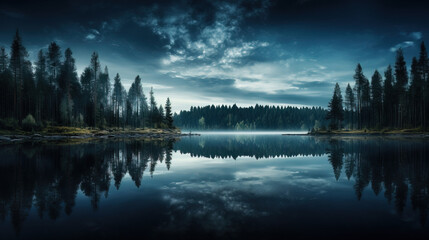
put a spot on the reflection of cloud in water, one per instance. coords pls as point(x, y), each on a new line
point(228, 203)
point(209, 206)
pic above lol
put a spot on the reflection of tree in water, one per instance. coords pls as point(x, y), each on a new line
point(258, 146)
point(400, 167)
point(49, 178)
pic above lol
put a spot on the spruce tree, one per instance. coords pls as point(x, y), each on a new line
point(401, 76)
point(424, 72)
point(335, 109)
point(117, 98)
point(376, 98)
point(54, 61)
point(350, 104)
point(17, 64)
point(168, 114)
point(95, 74)
point(42, 86)
point(366, 103)
point(416, 94)
point(359, 81)
point(388, 97)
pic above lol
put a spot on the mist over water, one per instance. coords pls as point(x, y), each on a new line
point(226, 132)
point(217, 185)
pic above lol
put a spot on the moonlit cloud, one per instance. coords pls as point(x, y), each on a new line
point(417, 35)
point(90, 36)
point(402, 45)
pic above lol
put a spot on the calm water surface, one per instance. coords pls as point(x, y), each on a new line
point(225, 186)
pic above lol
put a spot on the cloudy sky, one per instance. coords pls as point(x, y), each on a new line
point(202, 52)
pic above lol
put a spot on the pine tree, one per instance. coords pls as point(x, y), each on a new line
point(153, 110)
point(54, 61)
point(350, 104)
point(376, 97)
point(424, 72)
point(135, 97)
point(95, 74)
point(401, 76)
point(117, 98)
point(41, 86)
point(87, 100)
point(17, 65)
point(168, 114)
point(6, 83)
point(415, 93)
point(388, 97)
point(366, 103)
point(67, 82)
point(335, 109)
point(161, 115)
point(359, 81)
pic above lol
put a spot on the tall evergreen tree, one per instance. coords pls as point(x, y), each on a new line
point(135, 97)
point(388, 97)
point(42, 86)
point(424, 72)
point(117, 98)
point(335, 109)
point(86, 99)
point(401, 76)
point(416, 94)
point(153, 110)
point(366, 103)
point(54, 61)
point(17, 65)
point(6, 91)
point(168, 114)
point(350, 104)
point(67, 84)
point(104, 87)
point(54, 67)
point(377, 97)
point(95, 74)
point(359, 82)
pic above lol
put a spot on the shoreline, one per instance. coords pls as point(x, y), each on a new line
point(368, 133)
point(70, 134)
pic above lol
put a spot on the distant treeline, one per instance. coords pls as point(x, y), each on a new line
point(250, 118)
point(50, 92)
point(400, 100)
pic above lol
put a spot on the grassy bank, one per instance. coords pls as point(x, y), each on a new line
point(76, 131)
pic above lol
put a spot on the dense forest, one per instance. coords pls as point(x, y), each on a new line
point(49, 92)
point(400, 100)
point(251, 118)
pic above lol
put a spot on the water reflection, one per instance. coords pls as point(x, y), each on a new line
point(49, 178)
point(257, 146)
point(399, 167)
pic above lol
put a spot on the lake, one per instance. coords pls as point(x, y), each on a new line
point(216, 186)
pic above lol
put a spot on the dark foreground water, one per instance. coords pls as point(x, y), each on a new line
point(216, 186)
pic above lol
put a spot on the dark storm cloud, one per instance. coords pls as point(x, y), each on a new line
point(245, 51)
